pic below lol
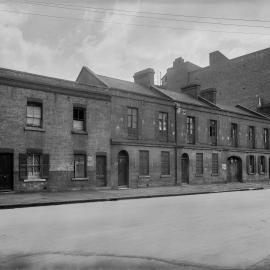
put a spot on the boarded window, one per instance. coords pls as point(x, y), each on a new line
point(79, 118)
point(165, 163)
point(79, 166)
point(132, 122)
point(251, 164)
point(163, 125)
point(261, 165)
point(234, 134)
point(213, 132)
point(215, 163)
point(199, 164)
point(266, 138)
point(144, 162)
point(190, 130)
point(34, 114)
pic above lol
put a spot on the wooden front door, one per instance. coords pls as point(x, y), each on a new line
point(6, 171)
point(234, 169)
point(185, 169)
point(123, 166)
point(101, 171)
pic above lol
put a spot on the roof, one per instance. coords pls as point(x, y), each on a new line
point(180, 97)
point(128, 86)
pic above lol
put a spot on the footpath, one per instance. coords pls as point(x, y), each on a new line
point(18, 200)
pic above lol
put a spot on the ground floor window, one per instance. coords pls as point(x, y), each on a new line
point(199, 163)
point(214, 163)
point(144, 162)
point(165, 163)
point(261, 165)
point(33, 165)
point(79, 166)
point(251, 164)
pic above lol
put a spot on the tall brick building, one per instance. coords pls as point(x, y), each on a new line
point(105, 132)
point(242, 80)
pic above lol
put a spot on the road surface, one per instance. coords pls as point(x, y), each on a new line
point(210, 231)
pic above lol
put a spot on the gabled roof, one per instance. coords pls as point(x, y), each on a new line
point(128, 86)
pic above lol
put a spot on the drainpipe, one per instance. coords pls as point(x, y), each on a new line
point(176, 140)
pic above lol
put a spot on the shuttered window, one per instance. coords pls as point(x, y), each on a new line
point(199, 163)
point(251, 137)
point(144, 162)
point(234, 134)
point(34, 166)
point(266, 138)
point(132, 122)
point(214, 163)
point(213, 132)
point(165, 163)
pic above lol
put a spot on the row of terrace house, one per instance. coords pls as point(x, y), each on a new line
point(105, 132)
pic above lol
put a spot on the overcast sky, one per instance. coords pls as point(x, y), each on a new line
point(60, 47)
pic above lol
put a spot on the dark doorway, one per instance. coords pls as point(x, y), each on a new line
point(101, 165)
point(6, 171)
point(123, 168)
point(234, 169)
point(185, 169)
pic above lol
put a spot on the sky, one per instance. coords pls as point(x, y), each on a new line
point(109, 41)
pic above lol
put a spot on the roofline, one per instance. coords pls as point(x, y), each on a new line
point(93, 74)
point(251, 111)
point(209, 102)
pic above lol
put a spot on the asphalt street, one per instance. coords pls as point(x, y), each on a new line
point(209, 231)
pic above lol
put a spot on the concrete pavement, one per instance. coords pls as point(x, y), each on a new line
point(19, 200)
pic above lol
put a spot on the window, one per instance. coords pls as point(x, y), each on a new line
point(213, 132)
point(144, 162)
point(79, 119)
point(234, 134)
point(261, 165)
point(79, 166)
point(199, 164)
point(251, 137)
point(163, 125)
point(33, 165)
point(165, 163)
point(266, 138)
point(190, 130)
point(132, 122)
point(34, 114)
point(251, 164)
point(214, 163)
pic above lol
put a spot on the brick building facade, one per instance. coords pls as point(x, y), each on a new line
point(105, 132)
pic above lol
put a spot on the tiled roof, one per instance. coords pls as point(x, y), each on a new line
point(128, 86)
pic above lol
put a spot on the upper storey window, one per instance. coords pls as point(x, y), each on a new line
point(234, 134)
point(132, 122)
point(79, 118)
point(34, 114)
point(163, 125)
point(251, 137)
point(213, 132)
point(190, 129)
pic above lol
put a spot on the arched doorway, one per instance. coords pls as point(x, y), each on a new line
point(123, 168)
point(234, 169)
point(185, 168)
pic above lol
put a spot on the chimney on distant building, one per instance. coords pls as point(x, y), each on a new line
point(144, 77)
point(192, 90)
point(216, 58)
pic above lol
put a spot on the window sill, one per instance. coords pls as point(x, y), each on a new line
point(262, 173)
point(80, 179)
point(165, 175)
point(198, 175)
point(34, 129)
point(144, 176)
point(250, 173)
point(35, 180)
point(214, 174)
point(80, 132)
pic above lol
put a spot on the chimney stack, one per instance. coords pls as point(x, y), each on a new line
point(144, 77)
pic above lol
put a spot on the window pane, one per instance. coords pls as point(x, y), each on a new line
point(79, 166)
point(78, 125)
